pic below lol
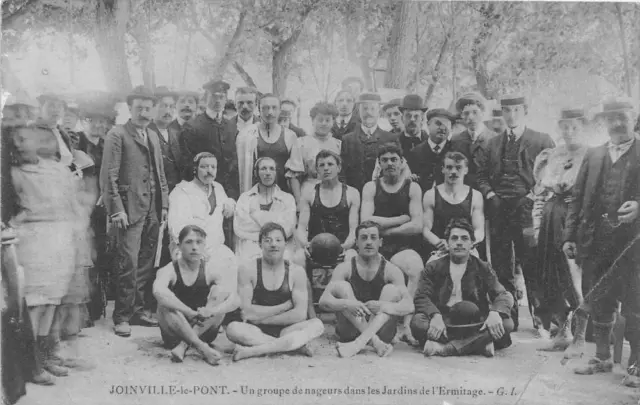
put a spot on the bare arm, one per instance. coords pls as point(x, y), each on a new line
point(414, 226)
point(353, 198)
point(251, 312)
point(224, 275)
point(329, 300)
point(477, 216)
point(166, 298)
point(403, 307)
point(296, 190)
point(302, 232)
point(428, 205)
point(300, 298)
point(368, 208)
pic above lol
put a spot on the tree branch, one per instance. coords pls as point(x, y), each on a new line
point(9, 19)
point(245, 76)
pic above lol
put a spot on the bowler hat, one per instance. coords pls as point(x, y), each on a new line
point(412, 102)
point(140, 92)
point(216, 86)
point(188, 93)
point(441, 112)
point(369, 97)
point(513, 99)
point(396, 102)
point(615, 105)
point(99, 109)
point(51, 97)
point(571, 114)
point(468, 98)
point(163, 91)
point(464, 314)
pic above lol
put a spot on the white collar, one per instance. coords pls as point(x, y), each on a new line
point(433, 144)
point(249, 121)
point(212, 114)
point(517, 131)
point(408, 135)
point(346, 119)
point(369, 131)
point(181, 122)
point(476, 134)
point(256, 191)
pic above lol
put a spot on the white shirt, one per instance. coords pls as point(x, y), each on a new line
point(181, 122)
point(165, 134)
point(517, 131)
point(344, 119)
point(616, 151)
point(433, 145)
point(143, 133)
point(476, 134)
point(242, 124)
point(214, 115)
point(456, 271)
point(369, 131)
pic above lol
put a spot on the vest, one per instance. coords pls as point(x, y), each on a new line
point(511, 185)
point(610, 195)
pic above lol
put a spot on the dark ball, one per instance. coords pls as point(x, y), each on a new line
point(465, 313)
point(325, 249)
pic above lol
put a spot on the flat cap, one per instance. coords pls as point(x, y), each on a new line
point(140, 92)
point(615, 105)
point(513, 99)
point(369, 97)
point(442, 113)
point(163, 91)
point(468, 98)
point(393, 103)
point(216, 86)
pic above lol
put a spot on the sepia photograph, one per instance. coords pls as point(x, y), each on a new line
point(318, 202)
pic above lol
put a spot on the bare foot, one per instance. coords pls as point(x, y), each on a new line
point(305, 351)
point(78, 364)
point(239, 353)
point(347, 349)
point(384, 349)
point(178, 352)
point(211, 356)
point(407, 337)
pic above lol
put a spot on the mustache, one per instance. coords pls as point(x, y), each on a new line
point(186, 109)
point(619, 128)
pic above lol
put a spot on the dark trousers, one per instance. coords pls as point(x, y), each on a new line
point(507, 237)
point(136, 256)
point(604, 286)
point(471, 343)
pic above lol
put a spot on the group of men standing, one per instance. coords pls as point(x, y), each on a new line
point(395, 200)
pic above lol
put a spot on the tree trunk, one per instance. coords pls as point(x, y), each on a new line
point(396, 76)
point(111, 25)
point(245, 76)
point(279, 72)
point(625, 53)
point(232, 46)
point(435, 75)
point(186, 59)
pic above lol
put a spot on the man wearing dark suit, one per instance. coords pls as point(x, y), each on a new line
point(602, 222)
point(394, 115)
point(453, 282)
point(287, 109)
point(207, 133)
point(136, 198)
point(168, 135)
point(359, 150)
point(246, 100)
point(186, 106)
point(472, 141)
point(412, 111)
point(425, 160)
point(347, 120)
point(505, 178)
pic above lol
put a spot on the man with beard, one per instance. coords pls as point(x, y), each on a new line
point(266, 139)
point(347, 120)
point(505, 178)
point(137, 200)
point(368, 295)
point(287, 109)
point(601, 228)
point(186, 105)
point(393, 201)
point(412, 110)
point(359, 149)
point(207, 133)
point(473, 141)
point(274, 302)
point(394, 115)
point(451, 200)
point(264, 203)
point(425, 160)
point(169, 142)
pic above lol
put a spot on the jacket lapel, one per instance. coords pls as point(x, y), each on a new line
point(499, 151)
point(132, 131)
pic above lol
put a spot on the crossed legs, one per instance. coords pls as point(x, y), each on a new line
point(378, 330)
point(252, 341)
point(411, 265)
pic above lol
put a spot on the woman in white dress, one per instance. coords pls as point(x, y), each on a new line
point(202, 202)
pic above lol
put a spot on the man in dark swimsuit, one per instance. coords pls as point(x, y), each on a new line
point(274, 302)
point(329, 207)
point(367, 294)
point(450, 200)
point(393, 201)
point(194, 297)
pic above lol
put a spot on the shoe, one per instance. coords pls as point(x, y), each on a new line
point(55, 370)
point(143, 320)
point(595, 365)
point(489, 350)
point(632, 377)
point(43, 378)
point(542, 334)
point(432, 348)
point(122, 329)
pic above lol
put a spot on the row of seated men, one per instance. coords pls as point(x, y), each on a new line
point(459, 308)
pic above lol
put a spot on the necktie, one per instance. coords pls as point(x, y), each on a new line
point(512, 137)
point(343, 124)
point(437, 149)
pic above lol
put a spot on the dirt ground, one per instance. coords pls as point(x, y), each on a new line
point(517, 375)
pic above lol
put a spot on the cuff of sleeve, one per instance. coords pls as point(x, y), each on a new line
point(490, 194)
point(113, 215)
point(432, 312)
point(503, 313)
